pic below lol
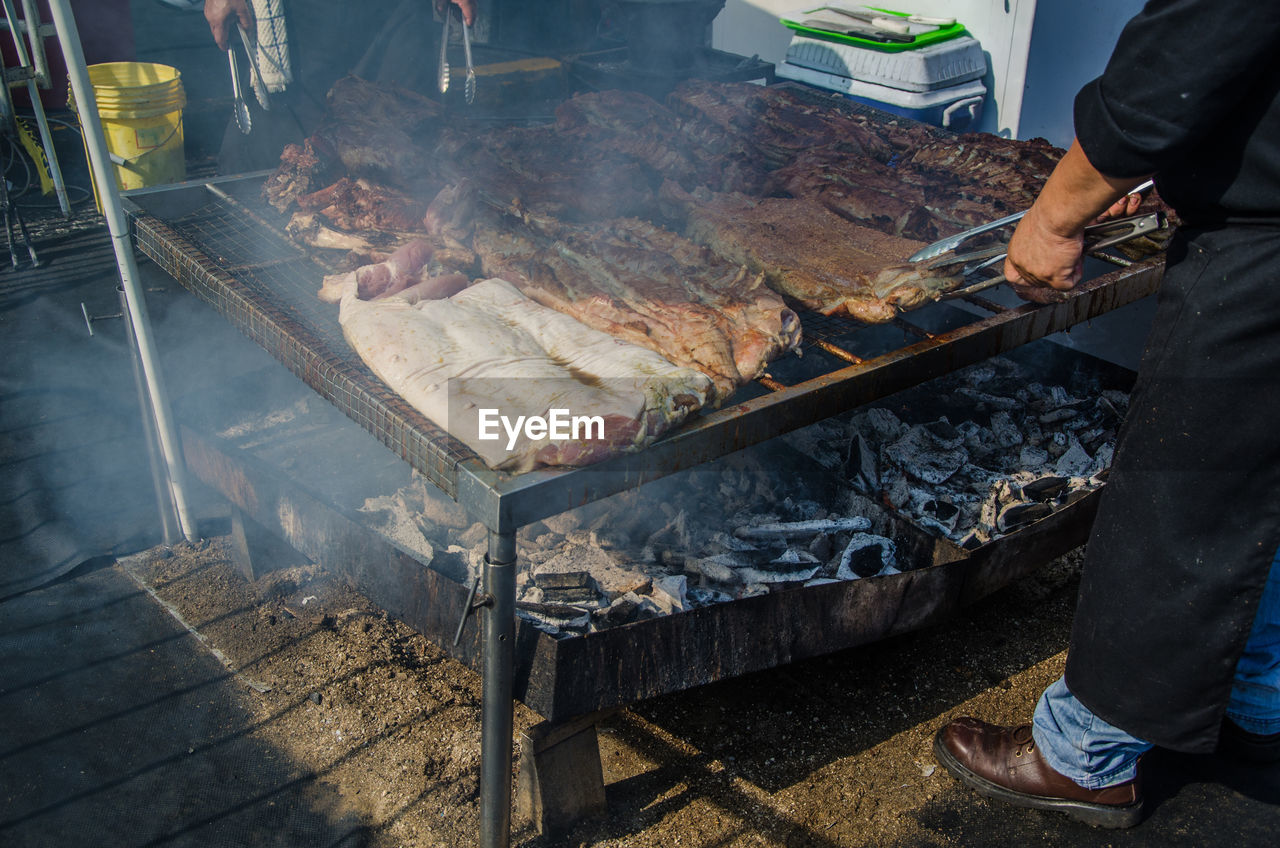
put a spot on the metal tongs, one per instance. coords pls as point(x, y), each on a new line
point(1097, 237)
point(941, 246)
point(469, 86)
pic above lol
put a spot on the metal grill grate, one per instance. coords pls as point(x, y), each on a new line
point(266, 287)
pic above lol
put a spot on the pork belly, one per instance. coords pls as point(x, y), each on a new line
point(491, 348)
point(809, 253)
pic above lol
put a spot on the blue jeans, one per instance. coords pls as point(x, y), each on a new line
point(1095, 754)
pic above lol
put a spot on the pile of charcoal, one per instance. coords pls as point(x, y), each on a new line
point(978, 454)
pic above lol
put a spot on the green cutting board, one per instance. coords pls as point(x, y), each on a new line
point(922, 40)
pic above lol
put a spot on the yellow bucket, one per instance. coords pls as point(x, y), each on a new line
point(141, 107)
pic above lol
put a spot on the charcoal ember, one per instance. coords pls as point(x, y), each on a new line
point(1057, 445)
point(1072, 495)
point(753, 590)
point(1033, 457)
point(564, 580)
point(1044, 489)
point(930, 453)
point(701, 596)
point(557, 616)
point(976, 375)
point(867, 555)
point(801, 529)
point(976, 437)
point(1074, 461)
point(808, 509)
point(1007, 433)
point(822, 546)
point(987, 401)
point(583, 596)
point(1059, 415)
point(898, 493)
point(1017, 515)
point(626, 609)
point(727, 542)
point(879, 425)
point(670, 593)
point(940, 514)
point(860, 466)
point(710, 569)
point(793, 566)
point(613, 578)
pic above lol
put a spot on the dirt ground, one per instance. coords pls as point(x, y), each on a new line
point(831, 752)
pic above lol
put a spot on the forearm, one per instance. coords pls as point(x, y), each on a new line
point(1076, 193)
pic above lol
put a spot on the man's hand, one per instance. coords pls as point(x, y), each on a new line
point(220, 14)
point(1042, 263)
point(468, 8)
point(1046, 253)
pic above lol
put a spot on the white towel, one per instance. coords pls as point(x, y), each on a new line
point(272, 48)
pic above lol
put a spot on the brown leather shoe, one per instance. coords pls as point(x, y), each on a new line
point(1003, 763)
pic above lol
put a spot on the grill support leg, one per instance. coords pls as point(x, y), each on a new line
point(497, 711)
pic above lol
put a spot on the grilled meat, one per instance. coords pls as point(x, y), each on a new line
point(362, 205)
point(807, 252)
point(303, 169)
point(642, 284)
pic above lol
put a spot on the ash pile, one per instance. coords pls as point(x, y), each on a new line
point(968, 457)
point(979, 453)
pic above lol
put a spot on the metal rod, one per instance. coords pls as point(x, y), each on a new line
point(770, 383)
point(837, 351)
point(912, 329)
point(164, 495)
point(42, 121)
point(104, 178)
point(497, 712)
point(984, 303)
point(31, 23)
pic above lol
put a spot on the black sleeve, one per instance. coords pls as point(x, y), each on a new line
point(1179, 68)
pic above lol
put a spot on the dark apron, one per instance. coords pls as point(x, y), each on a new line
point(1190, 518)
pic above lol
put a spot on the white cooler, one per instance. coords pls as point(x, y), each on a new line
point(939, 84)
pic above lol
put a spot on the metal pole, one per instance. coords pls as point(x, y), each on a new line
point(104, 178)
point(497, 711)
point(46, 137)
point(31, 21)
point(160, 482)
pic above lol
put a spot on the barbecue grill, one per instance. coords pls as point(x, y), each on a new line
point(218, 240)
